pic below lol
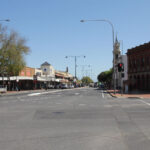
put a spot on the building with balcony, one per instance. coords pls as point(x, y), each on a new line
point(63, 77)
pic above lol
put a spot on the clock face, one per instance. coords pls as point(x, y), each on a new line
point(45, 69)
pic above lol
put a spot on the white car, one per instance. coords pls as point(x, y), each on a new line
point(71, 86)
point(3, 89)
point(64, 86)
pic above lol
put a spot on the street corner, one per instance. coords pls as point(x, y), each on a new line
point(112, 94)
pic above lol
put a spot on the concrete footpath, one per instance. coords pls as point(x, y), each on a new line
point(139, 95)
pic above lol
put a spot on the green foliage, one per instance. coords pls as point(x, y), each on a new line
point(86, 80)
point(105, 77)
point(78, 81)
point(12, 53)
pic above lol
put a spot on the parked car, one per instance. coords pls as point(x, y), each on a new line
point(50, 86)
point(3, 89)
point(57, 86)
point(102, 86)
point(70, 86)
point(64, 86)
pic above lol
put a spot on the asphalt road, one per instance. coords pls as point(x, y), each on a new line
point(77, 119)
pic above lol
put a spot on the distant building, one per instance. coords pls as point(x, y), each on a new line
point(63, 77)
point(37, 78)
point(139, 67)
point(47, 70)
point(27, 72)
point(120, 77)
point(38, 72)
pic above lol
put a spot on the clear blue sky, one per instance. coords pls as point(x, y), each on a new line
point(53, 29)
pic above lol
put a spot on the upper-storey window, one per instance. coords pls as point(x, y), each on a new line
point(147, 60)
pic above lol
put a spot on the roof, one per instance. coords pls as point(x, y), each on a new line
point(145, 46)
point(45, 64)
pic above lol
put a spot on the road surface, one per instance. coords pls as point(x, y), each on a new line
point(76, 119)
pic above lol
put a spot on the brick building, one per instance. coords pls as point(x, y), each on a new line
point(139, 67)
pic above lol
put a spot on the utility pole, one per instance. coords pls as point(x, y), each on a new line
point(75, 58)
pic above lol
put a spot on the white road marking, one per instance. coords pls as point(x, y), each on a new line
point(59, 93)
point(102, 94)
point(82, 104)
point(77, 93)
point(34, 94)
point(145, 102)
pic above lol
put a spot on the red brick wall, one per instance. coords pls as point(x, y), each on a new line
point(27, 71)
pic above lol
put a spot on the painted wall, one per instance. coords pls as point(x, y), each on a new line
point(27, 72)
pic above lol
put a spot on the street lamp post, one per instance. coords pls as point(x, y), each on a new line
point(75, 58)
point(110, 23)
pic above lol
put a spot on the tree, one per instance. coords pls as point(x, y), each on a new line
point(12, 53)
point(105, 77)
point(86, 80)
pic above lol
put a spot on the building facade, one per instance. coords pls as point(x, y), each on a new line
point(36, 78)
point(122, 76)
point(47, 70)
point(139, 67)
point(27, 72)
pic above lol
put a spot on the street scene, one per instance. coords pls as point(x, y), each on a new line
point(74, 75)
point(85, 118)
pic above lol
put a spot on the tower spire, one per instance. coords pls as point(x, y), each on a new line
point(116, 40)
point(117, 46)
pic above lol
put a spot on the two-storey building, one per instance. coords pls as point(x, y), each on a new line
point(139, 67)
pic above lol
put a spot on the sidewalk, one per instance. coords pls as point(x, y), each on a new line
point(130, 95)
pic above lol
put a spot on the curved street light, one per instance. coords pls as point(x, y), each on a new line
point(7, 20)
point(110, 23)
point(75, 58)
